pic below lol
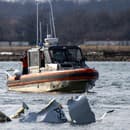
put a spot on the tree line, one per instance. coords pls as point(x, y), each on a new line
point(75, 22)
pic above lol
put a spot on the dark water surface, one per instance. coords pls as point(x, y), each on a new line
point(112, 92)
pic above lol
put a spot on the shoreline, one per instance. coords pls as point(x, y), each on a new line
point(106, 52)
point(90, 52)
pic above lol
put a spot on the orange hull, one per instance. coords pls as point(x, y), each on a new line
point(85, 75)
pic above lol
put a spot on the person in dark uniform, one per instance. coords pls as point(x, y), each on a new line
point(25, 63)
point(42, 59)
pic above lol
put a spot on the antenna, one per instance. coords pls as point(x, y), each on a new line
point(51, 39)
point(37, 10)
point(40, 32)
point(51, 25)
point(52, 18)
point(47, 30)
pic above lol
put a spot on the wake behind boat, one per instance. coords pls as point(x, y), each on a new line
point(54, 68)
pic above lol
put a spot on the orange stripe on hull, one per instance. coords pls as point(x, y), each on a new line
point(43, 81)
point(51, 73)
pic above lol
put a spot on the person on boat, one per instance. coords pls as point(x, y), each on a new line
point(42, 59)
point(25, 63)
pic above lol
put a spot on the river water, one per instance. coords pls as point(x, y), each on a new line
point(111, 92)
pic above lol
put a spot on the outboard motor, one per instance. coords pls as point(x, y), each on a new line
point(80, 111)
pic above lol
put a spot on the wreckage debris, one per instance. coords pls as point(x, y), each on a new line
point(4, 118)
point(52, 113)
point(79, 111)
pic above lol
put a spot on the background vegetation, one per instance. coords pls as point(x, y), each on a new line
point(75, 22)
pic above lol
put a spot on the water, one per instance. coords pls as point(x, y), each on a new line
point(112, 92)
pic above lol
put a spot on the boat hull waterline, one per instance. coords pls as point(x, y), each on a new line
point(75, 80)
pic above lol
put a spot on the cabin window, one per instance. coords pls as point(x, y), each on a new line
point(58, 55)
point(34, 58)
point(74, 54)
point(65, 54)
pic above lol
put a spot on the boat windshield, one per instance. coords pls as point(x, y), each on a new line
point(65, 54)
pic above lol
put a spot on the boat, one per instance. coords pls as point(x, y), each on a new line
point(54, 68)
